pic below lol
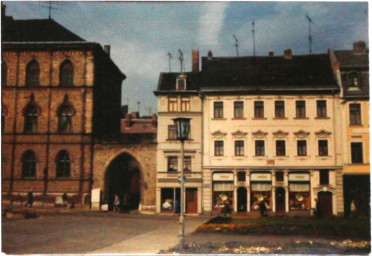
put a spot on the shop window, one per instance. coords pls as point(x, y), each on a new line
point(239, 148)
point(172, 104)
point(238, 109)
point(301, 148)
point(218, 109)
point(187, 164)
point(241, 176)
point(33, 73)
point(280, 148)
point(260, 192)
point(279, 109)
point(66, 73)
point(260, 147)
point(222, 192)
point(28, 164)
point(279, 176)
point(259, 109)
point(171, 132)
point(4, 73)
point(355, 114)
point(324, 177)
point(168, 198)
point(185, 104)
point(63, 164)
point(299, 200)
point(323, 147)
point(356, 152)
point(321, 108)
point(172, 164)
point(300, 109)
point(218, 148)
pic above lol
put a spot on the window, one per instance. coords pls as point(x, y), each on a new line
point(324, 177)
point(356, 152)
point(279, 176)
point(187, 163)
point(321, 108)
point(353, 79)
point(241, 176)
point(239, 147)
point(300, 109)
point(63, 164)
point(218, 148)
point(65, 114)
point(66, 74)
point(280, 148)
point(31, 115)
point(172, 164)
point(279, 109)
point(260, 147)
point(238, 109)
point(33, 73)
point(181, 84)
point(4, 73)
point(218, 109)
point(355, 115)
point(323, 147)
point(301, 148)
point(171, 132)
point(28, 164)
point(185, 104)
point(258, 109)
point(172, 104)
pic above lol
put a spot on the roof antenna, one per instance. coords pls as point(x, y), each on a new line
point(138, 103)
point(254, 46)
point(310, 39)
point(181, 59)
point(169, 59)
point(51, 5)
point(236, 45)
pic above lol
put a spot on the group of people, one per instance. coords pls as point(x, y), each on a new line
point(167, 205)
point(30, 200)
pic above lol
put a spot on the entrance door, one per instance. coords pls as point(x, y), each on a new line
point(280, 201)
point(242, 199)
point(191, 200)
point(325, 203)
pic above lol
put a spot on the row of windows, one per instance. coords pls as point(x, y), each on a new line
point(174, 105)
point(32, 112)
point(173, 164)
point(66, 73)
point(280, 146)
point(29, 162)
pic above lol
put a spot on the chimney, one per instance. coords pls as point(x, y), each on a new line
point(359, 47)
point(127, 121)
point(195, 61)
point(271, 53)
point(107, 49)
point(210, 55)
point(287, 54)
point(3, 10)
point(154, 120)
point(134, 115)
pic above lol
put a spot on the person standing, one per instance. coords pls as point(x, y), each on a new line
point(263, 208)
point(117, 203)
point(30, 199)
point(353, 209)
point(64, 200)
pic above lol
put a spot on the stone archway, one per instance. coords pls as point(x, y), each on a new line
point(123, 178)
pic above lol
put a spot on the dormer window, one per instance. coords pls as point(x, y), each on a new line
point(181, 82)
point(353, 79)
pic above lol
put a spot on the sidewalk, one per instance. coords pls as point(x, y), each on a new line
point(154, 241)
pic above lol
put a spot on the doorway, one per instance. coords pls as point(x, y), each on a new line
point(325, 203)
point(191, 200)
point(242, 199)
point(280, 201)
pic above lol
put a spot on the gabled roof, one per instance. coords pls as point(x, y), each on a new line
point(167, 81)
point(43, 30)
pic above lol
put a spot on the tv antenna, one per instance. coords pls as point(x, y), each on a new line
point(181, 59)
point(310, 39)
point(236, 45)
point(138, 103)
point(169, 60)
point(51, 5)
point(254, 46)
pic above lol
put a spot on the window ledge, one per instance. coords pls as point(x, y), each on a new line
point(240, 157)
point(218, 118)
point(302, 156)
point(281, 156)
point(280, 118)
point(324, 156)
point(259, 118)
point(239, 118)
point(260, 156)
point(299, 118)
point(355, 125)
point(326, 117)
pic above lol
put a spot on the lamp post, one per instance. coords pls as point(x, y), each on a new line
point(182, 126)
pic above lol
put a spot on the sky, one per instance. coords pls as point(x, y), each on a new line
point(142, 33)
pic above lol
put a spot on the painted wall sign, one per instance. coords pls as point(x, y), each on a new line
point(299, 177)
point(261, 177)
point(223, 176)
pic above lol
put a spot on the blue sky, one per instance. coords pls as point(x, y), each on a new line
point(141, 33)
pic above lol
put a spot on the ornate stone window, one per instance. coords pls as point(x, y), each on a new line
point(218, 147)
point(323, 147)
point(301, 148)
point(280, 134)
point(33, 73)
point(31, 114)
point(63, 164)
point(65, 113)
point(28, 164)
point(66, 74)
point(239, 148)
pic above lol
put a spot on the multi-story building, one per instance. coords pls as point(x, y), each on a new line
point(268, 132)
point(352, 70)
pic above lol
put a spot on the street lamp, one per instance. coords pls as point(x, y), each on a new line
point(182, 133)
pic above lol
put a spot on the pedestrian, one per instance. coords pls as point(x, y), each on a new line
point(353, 209)
point(64, 200)
point(30, 199)
point(177, 205)
point(263, 208)
point(226, 208)
point(117, 203)
point(266, 207)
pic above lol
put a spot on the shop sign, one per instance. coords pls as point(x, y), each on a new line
point(223, 177)
point(299, 177)
point(261, 177)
